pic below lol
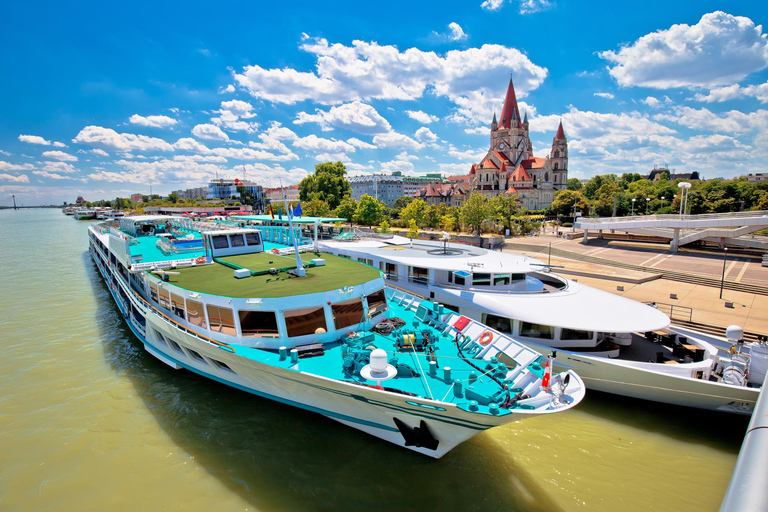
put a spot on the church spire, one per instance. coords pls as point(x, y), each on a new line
point(560, 133)
point(510, 112)
point(526, 117)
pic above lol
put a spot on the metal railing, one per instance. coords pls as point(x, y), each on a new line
point(674, 216)
point(672, 308)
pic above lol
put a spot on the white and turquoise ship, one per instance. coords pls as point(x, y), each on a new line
point(319, 332)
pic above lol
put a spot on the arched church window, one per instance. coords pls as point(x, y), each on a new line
point(546, 176)
point(557, 154)
point(555, 165)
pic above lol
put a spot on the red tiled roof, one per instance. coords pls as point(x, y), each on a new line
point(510, 110)
point(511, 190)
point(471, 171)
point(502, 157)
point(488, 164)
point(534, 163)
point(458, 179)
point(520, 174)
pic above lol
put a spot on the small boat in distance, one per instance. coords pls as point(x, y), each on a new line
point(321, 333)
point(615, 344)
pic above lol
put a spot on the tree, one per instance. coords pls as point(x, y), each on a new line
point(475, 211)
point(173, 197)
point(369, 211)
point(574, 184)
point(416, 210)
point(327, 184)
point(565, 200)
point(400, 203)
point(447, 222)
point(413, 229)
point(384, 226)
point(505, 208)
point(315, 208)
point(346, 209)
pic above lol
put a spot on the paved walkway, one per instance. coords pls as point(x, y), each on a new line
point(749, 310)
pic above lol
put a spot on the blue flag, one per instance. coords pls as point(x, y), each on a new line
point(297, 210)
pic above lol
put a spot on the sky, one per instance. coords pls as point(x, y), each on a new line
point(109, 99)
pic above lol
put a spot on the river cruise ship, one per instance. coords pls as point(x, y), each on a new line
point(615, 344)
point(320, 332)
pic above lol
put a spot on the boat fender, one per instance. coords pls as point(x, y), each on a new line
point(275, 251)
point(200, 260)
point(486, 338)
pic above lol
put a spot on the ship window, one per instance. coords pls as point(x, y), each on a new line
point(390, 271)
point(348, 313)
point(377, 303)
point(459, 280)
point(518, 277)
point(252, 239)
point(175, 346)
point(500, 279)
point(258, 323)
point(177, 305)
point(299, 322)
point(221, 320)
point(165, 298)
point(236, 240)
point(419, 275)
point(195, 313)
point(573, 334)
point(220, 242)
point(499, 323)
point(450, 276)
point(196, 356)
point(153, 291)
point(481, 279)
point(544, 332)
point(222, 366)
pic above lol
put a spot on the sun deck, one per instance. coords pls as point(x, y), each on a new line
point(218, 278)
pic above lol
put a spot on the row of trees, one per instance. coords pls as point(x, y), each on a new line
point(608, 195)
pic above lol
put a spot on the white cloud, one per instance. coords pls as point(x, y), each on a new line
point(4, 153)
point(99, 152)
point(50, 175)
point(7, 166)
point(109, 140)
point(455, 33)
point(735, 91)
point(231, 116)
point(651, 102)
point(424, 134)
point(470, 155)
point(59, 167)
point(367, 70)
point(355, 116)
point(360, 144)
point(59, 144)
point(731, 122)
point(319, 144)
point(422, 117)
point(34, 139)
point(153, 121)
point(606, 95)
point(60, 155)
point(492, 5)
point(394, 140)
point(209, 131)
point(532, 6)
point(21, 178)
point(720, 49)
point(228, 89)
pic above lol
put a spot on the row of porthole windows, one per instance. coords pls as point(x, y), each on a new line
point(193, 354)
point(298, 322)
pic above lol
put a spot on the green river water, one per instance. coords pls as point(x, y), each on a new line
point(90, 421)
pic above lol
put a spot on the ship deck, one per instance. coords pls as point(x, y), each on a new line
point(218, 277)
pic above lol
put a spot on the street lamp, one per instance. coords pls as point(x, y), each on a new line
point(722, 280)
point(684, 186)
point(633, 207)
point(647, 202)
point(662, 201)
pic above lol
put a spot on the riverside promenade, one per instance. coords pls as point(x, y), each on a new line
point(685, 283)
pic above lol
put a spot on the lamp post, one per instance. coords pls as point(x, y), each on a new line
point(633, 207)
point(684, 186)
point(647, 202)
point(662, 201)
point(722, 280)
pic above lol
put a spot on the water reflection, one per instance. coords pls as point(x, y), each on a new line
point(280, 457)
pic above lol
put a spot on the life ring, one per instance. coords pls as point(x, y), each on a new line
point(200, 259)
point(486, 338)
point(275, 251)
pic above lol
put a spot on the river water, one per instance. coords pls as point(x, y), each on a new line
point(90, 421)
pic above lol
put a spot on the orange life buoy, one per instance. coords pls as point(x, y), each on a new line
point(486, 338)
point(200, 259)
point(275, 251)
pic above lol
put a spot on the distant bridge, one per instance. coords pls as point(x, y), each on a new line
point(722, 228)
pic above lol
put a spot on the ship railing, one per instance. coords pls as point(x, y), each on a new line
point(672, 309)
point(151, 309)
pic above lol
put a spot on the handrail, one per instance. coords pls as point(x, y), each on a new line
point(674, 216)
point(405, 291)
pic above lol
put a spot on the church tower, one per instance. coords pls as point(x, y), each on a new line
point(510, 134)
point(558, 158)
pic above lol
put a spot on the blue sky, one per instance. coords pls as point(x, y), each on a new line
point(105, 99)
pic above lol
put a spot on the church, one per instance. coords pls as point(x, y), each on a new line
point(510, 168)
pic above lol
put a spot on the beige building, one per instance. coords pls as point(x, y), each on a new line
point(275, 195)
